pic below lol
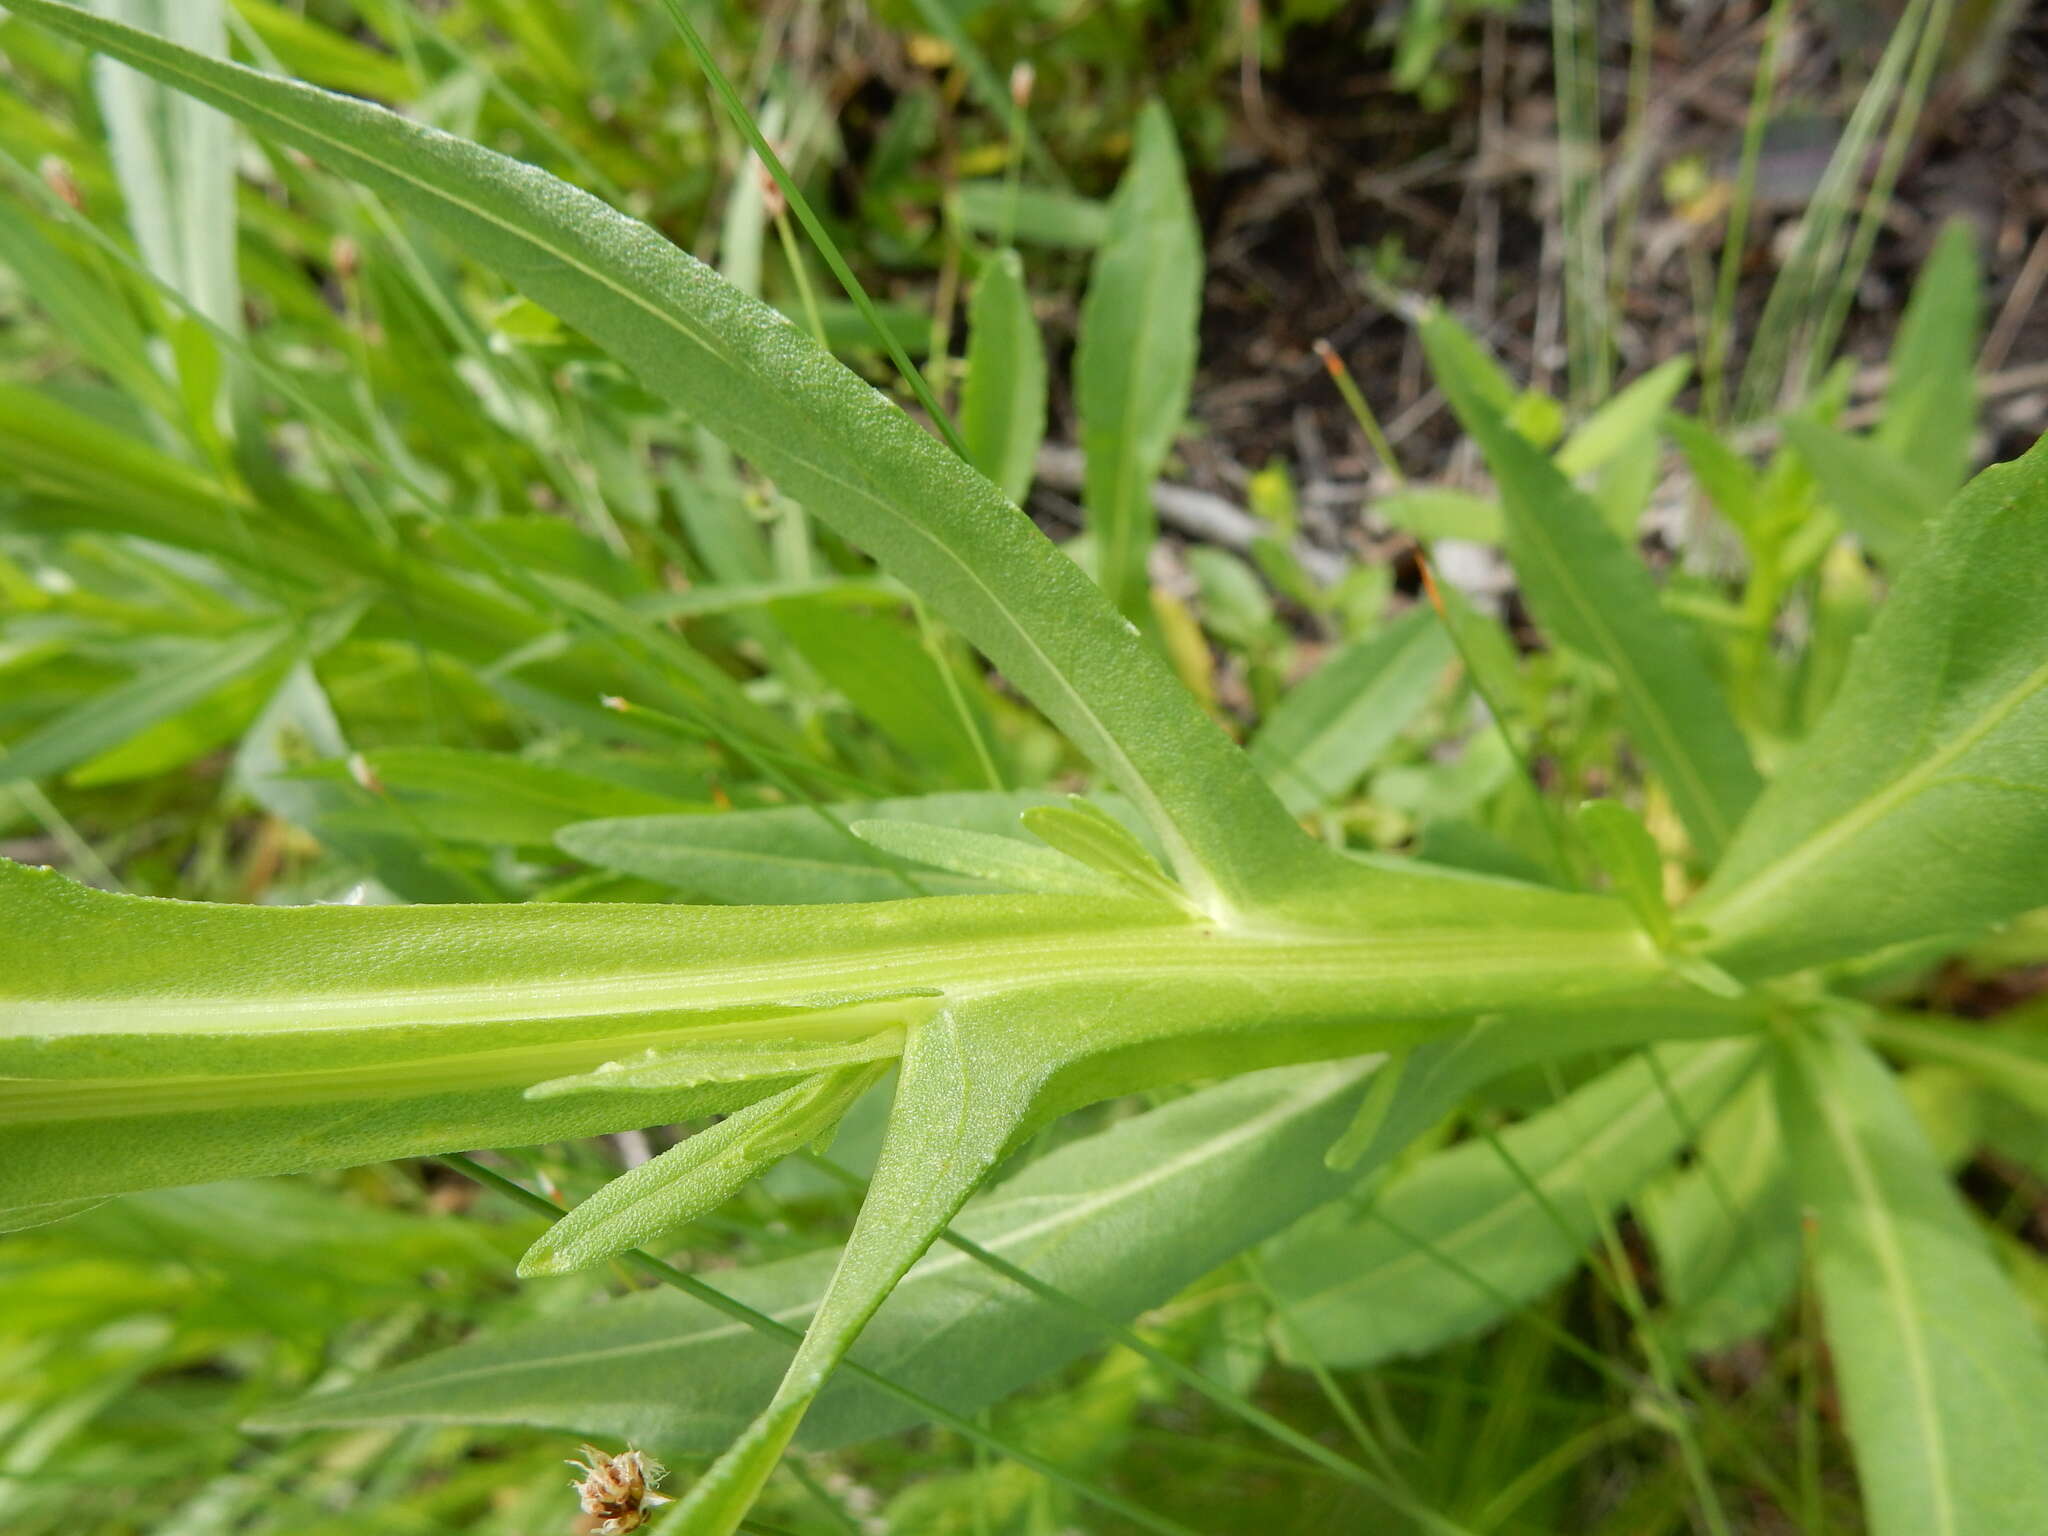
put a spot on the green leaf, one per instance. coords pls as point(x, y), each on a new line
point(1919, 805)
point(157, 695)
point(495, 798)
point(961, 1104)
point(90, 315)
point(1457, 1242)
point(1886, 499)
point(1120, 1220)
point(176, 160)
point(19, 1218)
point(853, 459)
point(1726, 1228)
point(1002, 402)
point(1728, 479)
point(1594, 595)
point(192, 732)
point(848, 1032)
point(1035, 215)
point(1930, 400)
point(1624, 419)
point(1624, 484)
point(1008, 862)
point(1094, 839)
point(696, 1175)
point(1330, 729)
point(320, 53)
point(883, 668)
point(2006, 1057)
point(1943, 1374)
point(1134, 362)
point(1438, 512)
point(790, 853)
point(1627, 852)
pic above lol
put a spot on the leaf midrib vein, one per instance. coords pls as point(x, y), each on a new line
point(1899, 1295)
point(1680, 760)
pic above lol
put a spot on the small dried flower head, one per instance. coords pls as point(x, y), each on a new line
point(58, 178)
point(346, 257)
point(616, 1492)
point(773, 203)
point(360, 770)
point(1022, 78)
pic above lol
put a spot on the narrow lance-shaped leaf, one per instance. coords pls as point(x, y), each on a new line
point(1093, 838)
point(1593, 593)
point(2008, 1057)
point(962, 1102)
point(1944, 1376)
point(110, 718)
point(1885, 499)
point(1323, 736)
point(1135, 360)
point(175, 160)
point(1006, 861)
point(882, 666)
point(791, 853)
point(1457, 1242)
point(697, 1175)
point(1625, 849)
point(1930, 400)
point(93, 317)
point(1120, 1220)
point(495, 797)
point(1726, 1228)
point(853, 459)
point(1632, 414)
point(1919, 805)
point(1000, 209)
point(1002, 402)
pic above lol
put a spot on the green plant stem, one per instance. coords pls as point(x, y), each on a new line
point(806, 295)
point(1574, 28)
point(768, 1327)
point(1546, 809)
point(934, 640)
point(1333, 1393)
point(1361, 410)
point(1898, 138)
point(1714, 354)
